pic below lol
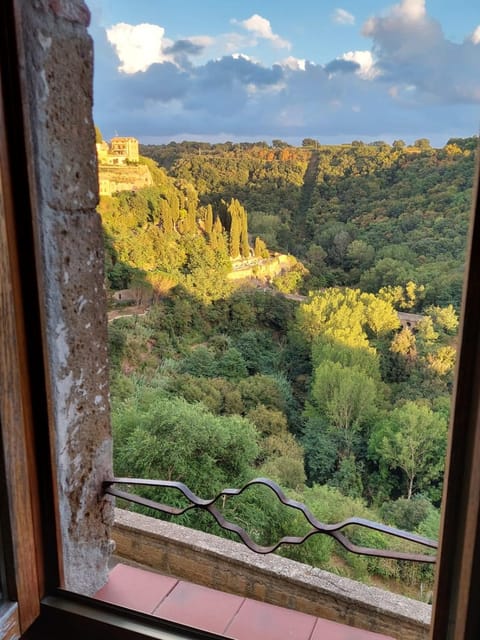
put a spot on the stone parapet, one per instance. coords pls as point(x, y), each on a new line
point(228, 566)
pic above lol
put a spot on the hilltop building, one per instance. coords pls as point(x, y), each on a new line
point(120, 151)
point(119, 168)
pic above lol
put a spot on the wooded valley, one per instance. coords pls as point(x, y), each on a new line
point(330, 393)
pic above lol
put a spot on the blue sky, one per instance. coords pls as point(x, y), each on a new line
point(242, 70)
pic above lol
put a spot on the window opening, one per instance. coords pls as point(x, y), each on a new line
point(236, 241)
point(344, 212)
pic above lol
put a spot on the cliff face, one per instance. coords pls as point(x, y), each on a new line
point(123, 178)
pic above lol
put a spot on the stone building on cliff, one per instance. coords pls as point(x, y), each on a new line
point(120, 151)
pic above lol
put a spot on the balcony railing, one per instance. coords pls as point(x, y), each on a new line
point(335, 531)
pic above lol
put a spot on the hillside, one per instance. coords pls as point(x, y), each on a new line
point(159, 236)
point(358, 215)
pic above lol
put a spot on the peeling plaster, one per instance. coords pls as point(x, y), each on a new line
point(81, 302)
point(45, 41)
point(45, 88)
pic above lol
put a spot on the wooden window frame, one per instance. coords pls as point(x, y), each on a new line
point(33, 564)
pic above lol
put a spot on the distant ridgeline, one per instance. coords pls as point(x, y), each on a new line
point(362, 215)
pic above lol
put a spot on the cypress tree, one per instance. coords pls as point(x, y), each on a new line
point(191, 221)
point(245, 247)
point(209, 220)
point(234, 210)
point(166, 221)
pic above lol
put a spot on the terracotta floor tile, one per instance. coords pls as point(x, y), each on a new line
point(260, 621)
point(328, 630)
point(135, 588)
point(199, 607)
point(218, 612)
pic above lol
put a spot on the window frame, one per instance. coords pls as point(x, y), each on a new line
point(28, 513)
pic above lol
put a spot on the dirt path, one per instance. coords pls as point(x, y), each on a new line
point(127, 312)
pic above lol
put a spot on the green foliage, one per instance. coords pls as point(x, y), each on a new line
point(268, 421)
point(407, 514)
point(260, 249)
point(360, 204)
point(344, 315)
point(261, 389)
point(260, 353)
point(346, 397)
point(290, 281)
point(163, 233)
point(362, 358)
point(216, 385)
point(160, 437)
point(412, 439)
point(322, 446)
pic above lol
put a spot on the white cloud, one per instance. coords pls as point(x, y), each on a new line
point(241, 56)
point(294, 64)
point(364, 59)
point(412, 82)
point(411, 50)
point(475, 37)
point(341, 16)
point(407, 13)
point(202, 41)
point(138, 46)
point(410, 9)
point(261, 28)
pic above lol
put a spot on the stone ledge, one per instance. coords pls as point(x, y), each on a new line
point(229, 566)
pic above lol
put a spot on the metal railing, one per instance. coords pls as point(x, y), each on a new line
point(317, 527)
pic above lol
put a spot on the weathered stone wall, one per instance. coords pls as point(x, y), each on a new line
point(123, 178)
point(58, 80)
point(229, 566)
point(268, 267)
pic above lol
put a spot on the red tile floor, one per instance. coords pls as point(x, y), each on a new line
point(222, 613)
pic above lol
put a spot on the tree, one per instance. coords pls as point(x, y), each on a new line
point(232, 365)
point(423, 144)
point(346, 397)
point(200, 362)
point(360, 254)
point(412, 439)
point(405, 344)
point(381, 317)
point(209, 220)
point(344, 314)
point(444, 318)
point(407, 514)
point(279, 144)
point(327, 349)
point(338, 314)
point(260, 249)
point(442, 361)
point(159, 437)
point(321, 445)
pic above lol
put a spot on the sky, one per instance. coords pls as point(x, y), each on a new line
point(239, 70)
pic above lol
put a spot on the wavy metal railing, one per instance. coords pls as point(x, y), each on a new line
point(332, 530)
